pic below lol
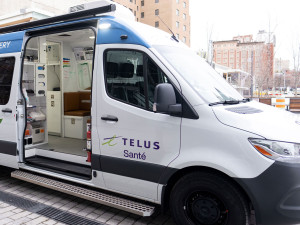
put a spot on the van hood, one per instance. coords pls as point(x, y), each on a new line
point(260, 119)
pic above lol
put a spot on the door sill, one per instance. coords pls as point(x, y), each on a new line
point(66, 168)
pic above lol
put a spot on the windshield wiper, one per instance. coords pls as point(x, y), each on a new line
point(226, 102)
point(230, 102)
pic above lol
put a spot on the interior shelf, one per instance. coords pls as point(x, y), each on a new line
point(29, 63)
point(32, 49)
point(53, 64)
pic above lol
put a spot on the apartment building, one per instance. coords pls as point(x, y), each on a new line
point(174, 13)
point(242, 52)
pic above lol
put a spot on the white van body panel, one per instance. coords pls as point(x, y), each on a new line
point(142, 189)
point(8, 127)
point(271, 123)
point(135, 123)
point(209, 143)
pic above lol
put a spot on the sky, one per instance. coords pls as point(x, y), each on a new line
point(224, 19)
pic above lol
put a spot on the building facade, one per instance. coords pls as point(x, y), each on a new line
point(253, 57)
point(174, 13)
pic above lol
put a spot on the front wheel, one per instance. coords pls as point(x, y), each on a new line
point(201, 198)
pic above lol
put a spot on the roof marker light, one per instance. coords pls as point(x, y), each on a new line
point(104, 26)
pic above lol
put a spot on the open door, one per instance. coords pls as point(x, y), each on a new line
point(10, 54)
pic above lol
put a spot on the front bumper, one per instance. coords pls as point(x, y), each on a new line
point(275, 194)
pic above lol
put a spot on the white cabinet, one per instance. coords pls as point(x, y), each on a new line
point(75, 126)
point(54, 111)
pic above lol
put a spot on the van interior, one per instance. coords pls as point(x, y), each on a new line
point(56, 83)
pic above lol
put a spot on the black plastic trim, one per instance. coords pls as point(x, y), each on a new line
point(62, 28)
point(275, 194)
point(95, 162)
point(134, 169)
point(60, 166)
point(9, 148)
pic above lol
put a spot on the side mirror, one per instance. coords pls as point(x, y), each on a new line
point(165, 100)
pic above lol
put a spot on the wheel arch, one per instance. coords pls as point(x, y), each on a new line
point(165, 196)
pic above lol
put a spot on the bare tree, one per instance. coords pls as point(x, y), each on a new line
point(296, 63)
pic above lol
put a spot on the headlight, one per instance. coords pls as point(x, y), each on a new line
point(277, 150)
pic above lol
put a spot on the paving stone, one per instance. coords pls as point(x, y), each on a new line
point(37, 220)
point(19, 221)
point(5, 221)
point(113, 222)
point(50, 222)
point(21, 215)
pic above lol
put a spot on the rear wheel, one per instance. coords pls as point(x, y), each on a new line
point(201, 198)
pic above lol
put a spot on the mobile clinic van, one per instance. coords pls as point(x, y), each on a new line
point(156, 123)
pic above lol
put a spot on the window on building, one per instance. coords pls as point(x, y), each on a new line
point(156, 23)
point(177, 12)
point(177, 24)
point(134, 13)
point(177, 1)
point(156, 1)
point(184, 39)
point(6, 75)
point(137, 19)
point(184, 16)
point(137, 8)
point(156, 12)
point(142, 14)
point(142, 3)
point(184, 4)
point(184, 27)
point(130, 0)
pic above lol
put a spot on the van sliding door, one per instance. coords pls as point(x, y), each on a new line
point(10, 53)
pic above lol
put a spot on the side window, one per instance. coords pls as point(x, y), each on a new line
point(6, 74)
point(124, 76)
point(155, 76)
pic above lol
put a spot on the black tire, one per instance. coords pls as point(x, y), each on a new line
point(202, 198)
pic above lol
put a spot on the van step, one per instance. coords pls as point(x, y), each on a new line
point(88, 194)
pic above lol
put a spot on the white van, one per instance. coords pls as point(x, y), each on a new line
point(93, 100)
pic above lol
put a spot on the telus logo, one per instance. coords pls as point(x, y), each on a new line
point(110, 141)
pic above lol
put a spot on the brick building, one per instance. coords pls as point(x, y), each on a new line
point(175, 13)
point(251, 56)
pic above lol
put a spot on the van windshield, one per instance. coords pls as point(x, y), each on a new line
point(209, 85)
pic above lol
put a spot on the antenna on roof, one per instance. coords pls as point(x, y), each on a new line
point(173, 35)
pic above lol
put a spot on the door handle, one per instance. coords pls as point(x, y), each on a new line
point(110, 118)
point(7, 110)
